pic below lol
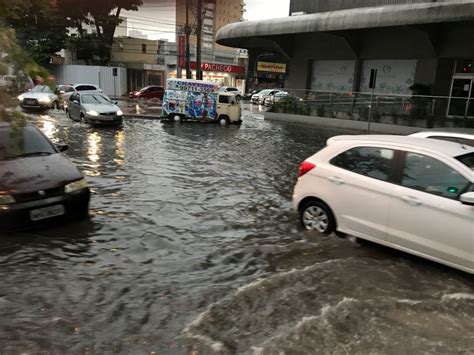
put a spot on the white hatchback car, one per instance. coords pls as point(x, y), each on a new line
point(412, 194)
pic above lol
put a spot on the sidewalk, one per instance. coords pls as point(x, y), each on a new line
point(140, 109)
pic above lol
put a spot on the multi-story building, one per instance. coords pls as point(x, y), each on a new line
point(219, 63)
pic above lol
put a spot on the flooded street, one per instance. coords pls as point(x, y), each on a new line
point(193, 247)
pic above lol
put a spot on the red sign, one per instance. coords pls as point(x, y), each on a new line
point(181, 51)
point(223, 68)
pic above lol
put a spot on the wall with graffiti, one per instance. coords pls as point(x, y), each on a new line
point(192, 104)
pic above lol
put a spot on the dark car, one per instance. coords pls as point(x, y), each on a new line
point(38, 184)
point(148, 92)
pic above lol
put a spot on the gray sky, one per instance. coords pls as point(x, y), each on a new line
point(263, 9)
point(156, 18)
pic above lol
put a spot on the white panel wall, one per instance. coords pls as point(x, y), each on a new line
point(97, 75)
point(333, 75)
point(393, 76)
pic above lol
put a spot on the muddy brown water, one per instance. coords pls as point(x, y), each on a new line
point(193, 247)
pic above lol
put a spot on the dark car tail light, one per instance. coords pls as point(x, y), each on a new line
point(305, 167)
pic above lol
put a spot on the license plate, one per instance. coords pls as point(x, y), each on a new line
point(47, 212)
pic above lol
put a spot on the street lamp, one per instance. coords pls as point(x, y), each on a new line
point(256, 63)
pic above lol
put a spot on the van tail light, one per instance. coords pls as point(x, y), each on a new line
point(305, 167)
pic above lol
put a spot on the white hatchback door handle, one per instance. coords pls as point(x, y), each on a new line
point(336, 180)
point(411, 200)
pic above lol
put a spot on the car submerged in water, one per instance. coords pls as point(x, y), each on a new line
point(41, 97)
point(409, 193)
point(94, 109)
point(38, 184)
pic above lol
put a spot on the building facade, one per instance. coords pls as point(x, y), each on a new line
point(332, 45)
point(215, 14)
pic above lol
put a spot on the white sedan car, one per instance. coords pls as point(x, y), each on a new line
point(412, 194)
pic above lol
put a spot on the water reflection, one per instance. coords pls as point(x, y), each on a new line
point(120, 148)
point(183, 215)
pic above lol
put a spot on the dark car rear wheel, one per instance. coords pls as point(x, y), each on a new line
point(316, 215)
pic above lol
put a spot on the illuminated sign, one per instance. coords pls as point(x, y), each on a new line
point(271, 67)
point(223, 68)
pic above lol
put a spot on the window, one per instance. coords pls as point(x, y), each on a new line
point(427, 174)
point(95, 99)
point(224, 99)
point(143, 48)
point(86, 88)
point(467, 159)
point(460, 140)
point(74, 97)
point(23, 141)
point(373, 162)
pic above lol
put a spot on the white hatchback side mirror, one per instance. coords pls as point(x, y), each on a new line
point(467, 198)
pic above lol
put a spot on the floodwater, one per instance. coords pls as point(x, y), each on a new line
point(193, 248)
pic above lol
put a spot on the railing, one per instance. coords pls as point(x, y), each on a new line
point(411, 110)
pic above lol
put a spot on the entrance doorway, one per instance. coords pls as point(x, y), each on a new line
point(461, 102)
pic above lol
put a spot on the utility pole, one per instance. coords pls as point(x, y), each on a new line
point(187, 31)
point(198, 40)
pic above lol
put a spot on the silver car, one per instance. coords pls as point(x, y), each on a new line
point(93, 108)
point(40, 97)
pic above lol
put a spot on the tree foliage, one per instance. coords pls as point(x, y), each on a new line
point(40, 28)
point(103, 16)
point(15, 59)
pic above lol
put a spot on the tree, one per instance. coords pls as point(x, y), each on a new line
point(103, 15)
point(39, 28)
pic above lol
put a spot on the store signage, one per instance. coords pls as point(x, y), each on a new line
point(191, 85)
point(222, 68)
point(182, 50)
point(271, 67)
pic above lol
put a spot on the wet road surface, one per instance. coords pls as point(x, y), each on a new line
point(192, 247)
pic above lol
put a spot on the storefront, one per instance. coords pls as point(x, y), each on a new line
point(462, 89)
point(270, 74)
point(427, 45)
point(148, 74)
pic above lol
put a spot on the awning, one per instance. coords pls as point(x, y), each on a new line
point(238, 34)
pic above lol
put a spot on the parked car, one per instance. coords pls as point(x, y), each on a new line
point(459, 137)
point(265, 98)
point(94, 108)
point(256, 97)
point(248, 95)
point(278, 97)
point(148, 92)
point(40, 97)
point(232, 90)
point(37, 182)
point(408, 193)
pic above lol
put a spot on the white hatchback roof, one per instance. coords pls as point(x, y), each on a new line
point(451, 149)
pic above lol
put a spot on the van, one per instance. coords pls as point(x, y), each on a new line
point(198, 100)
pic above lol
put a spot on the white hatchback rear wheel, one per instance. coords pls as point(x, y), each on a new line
point(317, 216)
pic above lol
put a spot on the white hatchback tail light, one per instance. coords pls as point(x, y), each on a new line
point(305, 167)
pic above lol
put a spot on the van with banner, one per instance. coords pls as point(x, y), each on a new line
point(198, 100)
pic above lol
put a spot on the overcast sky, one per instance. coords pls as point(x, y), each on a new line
point(263, 9)
point(157, 18)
